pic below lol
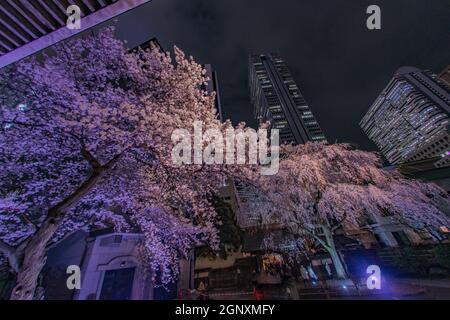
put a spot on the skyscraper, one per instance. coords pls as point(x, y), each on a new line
point(147, 44)
point(213, 85)
point(276, 97)
point(409, 121)
point(444, 76)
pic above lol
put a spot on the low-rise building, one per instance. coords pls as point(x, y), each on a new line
point(111, 269)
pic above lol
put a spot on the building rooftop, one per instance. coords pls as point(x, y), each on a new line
point(27, 27)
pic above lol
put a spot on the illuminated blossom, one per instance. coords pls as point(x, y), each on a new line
point(321, 187)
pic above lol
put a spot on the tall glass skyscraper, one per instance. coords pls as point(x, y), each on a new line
point(409, 121)
point(276, 97)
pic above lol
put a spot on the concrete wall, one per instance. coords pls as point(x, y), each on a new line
point(111, 252)
point(117, 251)
point(385, 227)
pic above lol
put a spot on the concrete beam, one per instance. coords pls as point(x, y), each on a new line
point(104, 14)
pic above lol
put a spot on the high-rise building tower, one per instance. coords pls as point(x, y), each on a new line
point(276, 97)
point(147, 44)
point(409, 121)
point(213, 85)
point(444, 76)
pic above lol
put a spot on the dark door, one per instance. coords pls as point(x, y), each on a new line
point(117, 284)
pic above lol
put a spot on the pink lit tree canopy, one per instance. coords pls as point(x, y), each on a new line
point(320, 187)
point(85, 139)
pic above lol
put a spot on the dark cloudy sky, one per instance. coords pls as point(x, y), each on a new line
point(339, 65)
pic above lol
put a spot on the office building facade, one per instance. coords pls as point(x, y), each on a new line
point(409, 121)
point(277, 98)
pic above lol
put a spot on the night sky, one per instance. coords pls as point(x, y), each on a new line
point(339, 65)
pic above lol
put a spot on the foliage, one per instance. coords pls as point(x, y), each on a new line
point(85, 139)
point(321, 187)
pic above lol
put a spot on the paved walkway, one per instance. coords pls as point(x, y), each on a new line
point(426, 289)
point(441, 283)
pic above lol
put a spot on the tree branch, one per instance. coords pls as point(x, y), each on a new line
point(34, 125)
point(99, 171)
point(315, 236)
point(89, 157)
point(340, 222)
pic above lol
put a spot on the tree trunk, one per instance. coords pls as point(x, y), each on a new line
point(34, 260)
point(339, 266)
point(34, 256)
point(331, 248)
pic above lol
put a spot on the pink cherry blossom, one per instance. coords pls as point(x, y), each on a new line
point(90, 145)
point(321, 187)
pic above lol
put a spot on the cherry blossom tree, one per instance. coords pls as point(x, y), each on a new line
point(85, 139)
point(321, 187)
